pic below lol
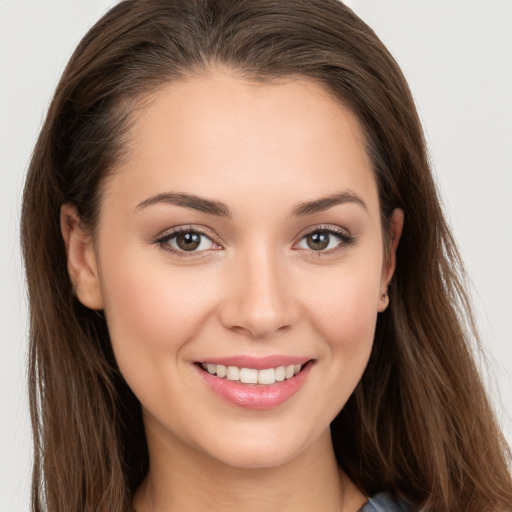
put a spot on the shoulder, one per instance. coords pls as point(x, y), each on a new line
point(383, 503)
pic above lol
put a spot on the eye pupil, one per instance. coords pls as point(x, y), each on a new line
point(188, 241)
point(318, 240)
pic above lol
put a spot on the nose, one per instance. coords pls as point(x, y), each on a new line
point(260, 299)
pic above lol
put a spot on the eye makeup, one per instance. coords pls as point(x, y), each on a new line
point(187, 241)
point(193, 241)
point(325, 239)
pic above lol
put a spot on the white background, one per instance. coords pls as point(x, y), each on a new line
point(457, 56)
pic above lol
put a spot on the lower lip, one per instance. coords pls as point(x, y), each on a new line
point(256, 396)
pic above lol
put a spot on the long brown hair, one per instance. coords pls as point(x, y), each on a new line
point(418, 424)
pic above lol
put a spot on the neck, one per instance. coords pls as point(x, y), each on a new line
point(182, 478)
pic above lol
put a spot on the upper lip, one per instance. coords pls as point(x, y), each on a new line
point(258, 363)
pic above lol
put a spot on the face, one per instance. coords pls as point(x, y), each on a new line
point(240, 236)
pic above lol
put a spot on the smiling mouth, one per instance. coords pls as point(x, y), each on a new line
point(265, 376)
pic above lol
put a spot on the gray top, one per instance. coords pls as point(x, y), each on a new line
point(383, 503)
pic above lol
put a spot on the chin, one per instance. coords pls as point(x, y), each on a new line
point(256, 459)
point(263, 449)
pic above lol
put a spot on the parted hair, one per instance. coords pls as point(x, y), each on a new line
point(418, 425)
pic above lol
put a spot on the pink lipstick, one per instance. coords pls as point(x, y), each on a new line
point(255, 383)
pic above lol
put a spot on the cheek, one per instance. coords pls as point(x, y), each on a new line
point(349, 327)
point(345, 307)
point(152, 310)
point(344, 314)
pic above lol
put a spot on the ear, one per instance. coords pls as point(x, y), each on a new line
point(396, 225)
point(81, 258)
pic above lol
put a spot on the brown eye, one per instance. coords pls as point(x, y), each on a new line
point(325, 240)
point(319, 240)
point(188, 241)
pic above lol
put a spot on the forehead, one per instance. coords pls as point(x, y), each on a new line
point(217, 133)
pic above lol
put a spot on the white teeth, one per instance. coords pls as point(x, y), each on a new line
point(280, 373)
point(251, 375)
point(233, 373)
point(266, 376)
point(248, 375)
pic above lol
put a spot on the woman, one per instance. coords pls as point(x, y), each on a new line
point(252, 299)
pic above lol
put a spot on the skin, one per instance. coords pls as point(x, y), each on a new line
point(254, 287)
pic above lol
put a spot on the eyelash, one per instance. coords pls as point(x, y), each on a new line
point(345, 240)
point(163, 241)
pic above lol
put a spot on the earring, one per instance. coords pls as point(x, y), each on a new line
point(384, 297)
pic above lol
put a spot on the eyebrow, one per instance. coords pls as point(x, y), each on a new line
point(188, 201)
point(324, 203)
point(222, 210)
